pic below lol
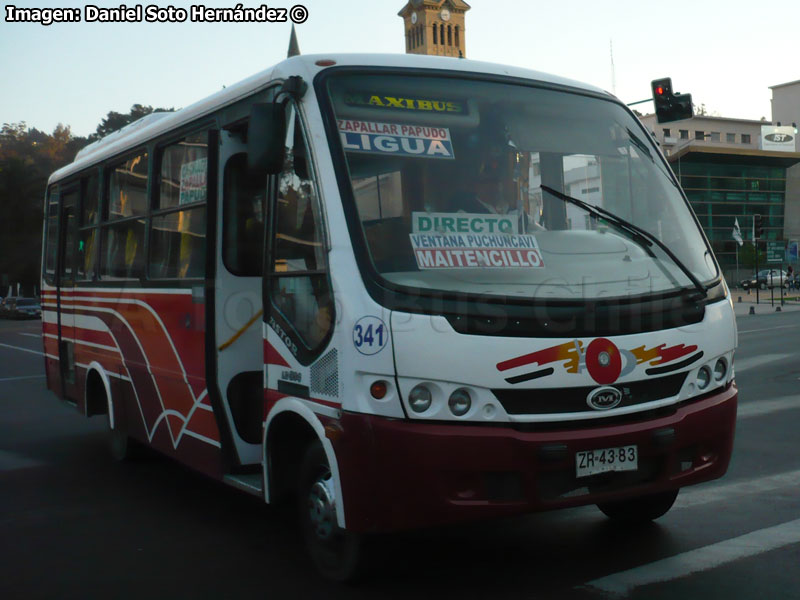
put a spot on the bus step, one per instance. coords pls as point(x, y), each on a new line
point(252, 483)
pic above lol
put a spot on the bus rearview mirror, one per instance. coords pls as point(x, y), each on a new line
point(266, 134)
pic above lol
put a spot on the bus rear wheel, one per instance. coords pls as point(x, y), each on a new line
point(639, 510)
point(120, 444)
point(335, 552)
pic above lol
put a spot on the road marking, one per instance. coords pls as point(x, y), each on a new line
point(759, 361)
point(757, 408)
point(11, 462)
point(702, 559)
point(34, 335)
point(2, 379)
point(769, 328)
point(22, 349)
point(696, 496)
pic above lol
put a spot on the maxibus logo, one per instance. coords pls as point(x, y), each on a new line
point(439, 105)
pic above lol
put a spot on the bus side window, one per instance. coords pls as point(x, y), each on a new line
point(123, 250)
point(51, 232)
point(178, 221)
point(300, 291)
point(243, 219)
point(122, 238)
point(69, 223)
point(87, 242)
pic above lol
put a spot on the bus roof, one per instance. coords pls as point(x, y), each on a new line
point(155, 124)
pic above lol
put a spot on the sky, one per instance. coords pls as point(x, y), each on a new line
point(725, 53)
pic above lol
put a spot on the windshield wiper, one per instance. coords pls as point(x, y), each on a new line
point(642, 236)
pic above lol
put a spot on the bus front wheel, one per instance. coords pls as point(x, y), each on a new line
point(335, 552)
point(639, 510)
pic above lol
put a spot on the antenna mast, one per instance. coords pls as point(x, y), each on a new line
point(613, 70)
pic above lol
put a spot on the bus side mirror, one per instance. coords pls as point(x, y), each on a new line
point(266, 136)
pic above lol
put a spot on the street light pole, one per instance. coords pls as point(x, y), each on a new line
point(755, 245)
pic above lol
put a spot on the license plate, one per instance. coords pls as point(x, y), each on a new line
point(592, 462)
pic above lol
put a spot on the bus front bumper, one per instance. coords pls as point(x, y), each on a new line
point(400, 474)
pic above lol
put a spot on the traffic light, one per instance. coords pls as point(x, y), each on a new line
point(758, 228)
point(670, 106)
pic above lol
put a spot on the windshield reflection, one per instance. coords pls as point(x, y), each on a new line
point(448, 177)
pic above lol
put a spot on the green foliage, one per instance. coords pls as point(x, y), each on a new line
point(27, 159)
point(114, 120)
point(747, 255)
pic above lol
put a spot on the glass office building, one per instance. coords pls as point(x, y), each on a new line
point(723, 186)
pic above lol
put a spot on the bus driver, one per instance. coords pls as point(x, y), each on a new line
point(491, 188)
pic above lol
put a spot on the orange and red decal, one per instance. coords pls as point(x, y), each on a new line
point(570, 352)
point(661, 354)
point(603, 360)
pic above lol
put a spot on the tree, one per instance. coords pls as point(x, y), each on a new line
point(27, 157)
point(700, 110)
point(115, 121)
point(747, 255)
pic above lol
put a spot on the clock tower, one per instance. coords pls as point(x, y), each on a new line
point(435, 27)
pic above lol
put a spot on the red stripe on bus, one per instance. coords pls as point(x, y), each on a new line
point(272, 356)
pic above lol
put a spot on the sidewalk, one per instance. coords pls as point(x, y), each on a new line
point(791, 302)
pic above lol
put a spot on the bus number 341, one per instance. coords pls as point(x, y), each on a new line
point(370, 335)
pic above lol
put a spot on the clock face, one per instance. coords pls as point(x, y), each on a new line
point(413, 18)
point(445, 14)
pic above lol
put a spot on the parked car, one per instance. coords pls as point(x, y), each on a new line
point(5, 306)
point(21, 308)
point(766, 278)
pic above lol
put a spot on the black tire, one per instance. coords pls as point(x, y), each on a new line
point(336, 553)
point(643, 509)
point(120, 444)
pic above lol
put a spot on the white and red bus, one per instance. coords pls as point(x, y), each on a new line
point(401, 290)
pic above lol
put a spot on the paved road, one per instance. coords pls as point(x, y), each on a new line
point(75, 524)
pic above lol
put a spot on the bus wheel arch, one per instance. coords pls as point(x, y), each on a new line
point(99, 401)
point(97, 393)
point(290, 429)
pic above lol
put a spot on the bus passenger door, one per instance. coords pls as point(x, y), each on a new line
point(65, 286)
point(237, 313)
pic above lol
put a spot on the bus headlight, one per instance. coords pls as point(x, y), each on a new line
point(420, 399)
point(460, 402)
point(703, 378)
point(720, 369)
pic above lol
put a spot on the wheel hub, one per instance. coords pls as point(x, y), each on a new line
point(322, 508)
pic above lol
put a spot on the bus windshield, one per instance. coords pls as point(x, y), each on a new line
point(463, 186)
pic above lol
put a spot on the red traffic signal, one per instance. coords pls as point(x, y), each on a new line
point(669, 106)
point(662, 87)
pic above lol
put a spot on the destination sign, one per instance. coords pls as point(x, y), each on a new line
point(397, 139)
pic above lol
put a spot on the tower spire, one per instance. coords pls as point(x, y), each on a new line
point(294, 47)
